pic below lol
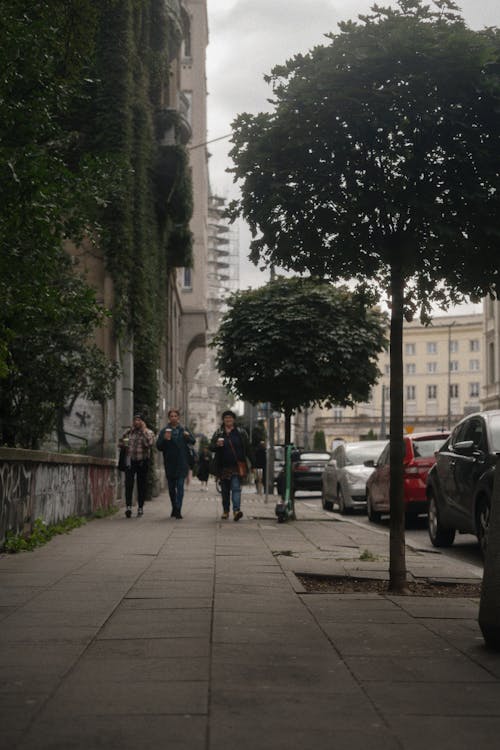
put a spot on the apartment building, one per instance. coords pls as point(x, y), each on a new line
point(490, 397)
point(207, 396)
point(444, 373)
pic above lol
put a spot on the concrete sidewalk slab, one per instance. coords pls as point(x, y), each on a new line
point(196, 634)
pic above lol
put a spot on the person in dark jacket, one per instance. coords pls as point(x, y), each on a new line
point(173, 442)
point(204, 467)
point(231, 446)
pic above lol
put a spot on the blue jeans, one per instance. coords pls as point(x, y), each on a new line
point(176, 491)
point(231, 487)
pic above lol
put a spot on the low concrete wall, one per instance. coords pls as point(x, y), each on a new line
point(52, 486)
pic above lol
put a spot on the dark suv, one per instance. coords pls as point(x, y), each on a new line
point(460, 484)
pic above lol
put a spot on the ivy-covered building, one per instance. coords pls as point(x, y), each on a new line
point(147, 115)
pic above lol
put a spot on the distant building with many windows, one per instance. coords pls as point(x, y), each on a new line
point(444, 374)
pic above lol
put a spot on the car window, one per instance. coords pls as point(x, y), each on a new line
point(359, 453)
point(279, 453)
point(426, 447)
point(384, 456)
point(475, 431)
point(494, 423)
point(314, 456)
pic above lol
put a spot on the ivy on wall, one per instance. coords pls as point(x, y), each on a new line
point(145, 223)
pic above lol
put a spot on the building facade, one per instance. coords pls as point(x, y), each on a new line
point(207, 396)
point(96, 427)
point(444, 372)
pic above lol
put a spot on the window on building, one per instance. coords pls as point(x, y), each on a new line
point(432, 347)
point(411, 393)
point(454, 390)
point(387, 369)
point(411, 368)
point(474, 345)
point(187, 279)
point(473, 390)
point(431, 366)
point(473, 364)
point(491, 362)
point(410, 349)
point(453, 347)
point(454, 365)
point(186, 28)
point(432, 392)
point(338, 415)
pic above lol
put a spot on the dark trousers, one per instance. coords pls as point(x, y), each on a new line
point(176, 491)
point(139, 469)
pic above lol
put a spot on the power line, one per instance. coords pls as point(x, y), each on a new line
point(205, 143)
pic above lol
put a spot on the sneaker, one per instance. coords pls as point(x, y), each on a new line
point(128, 512)
point(140, 511)
point(172, 515)
point(225, 515)
point(237, 515)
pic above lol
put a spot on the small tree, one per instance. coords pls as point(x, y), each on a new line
point(299, 342)
point(380, 162)
point(319, 441)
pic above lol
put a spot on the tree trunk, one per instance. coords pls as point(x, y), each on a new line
point(489, 606)
point(397, 563)
point(288, 425)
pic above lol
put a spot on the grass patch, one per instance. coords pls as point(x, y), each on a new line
point(43, 533)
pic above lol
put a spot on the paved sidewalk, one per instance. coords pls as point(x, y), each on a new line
point(154, 633)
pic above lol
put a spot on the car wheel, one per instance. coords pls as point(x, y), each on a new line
point(342, 506)
point(327, 504)
point(483, 511)
point(373, 515)
point(440, 535)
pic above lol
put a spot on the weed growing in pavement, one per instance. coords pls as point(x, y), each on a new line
point(368, 556)
point(43, 533)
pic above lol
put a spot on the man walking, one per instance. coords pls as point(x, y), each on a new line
point(173, 442)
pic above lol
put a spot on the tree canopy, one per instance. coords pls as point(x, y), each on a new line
point(299, 342)
point(381, 151)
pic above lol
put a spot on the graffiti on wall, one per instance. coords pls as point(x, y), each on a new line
point(52, 491)
point(16, 497)
point(104, 484)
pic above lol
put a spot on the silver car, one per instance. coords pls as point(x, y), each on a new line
point(345, 475)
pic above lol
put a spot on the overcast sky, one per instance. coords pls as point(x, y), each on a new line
point(246, 39)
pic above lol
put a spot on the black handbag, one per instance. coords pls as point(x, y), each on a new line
point(122, 459)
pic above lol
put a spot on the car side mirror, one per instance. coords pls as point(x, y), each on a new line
point(464, 447)
point(370, 463)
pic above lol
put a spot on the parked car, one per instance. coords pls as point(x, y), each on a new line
point(346, 474)
point(419, 456)
point(307, 469)
point(460, 484)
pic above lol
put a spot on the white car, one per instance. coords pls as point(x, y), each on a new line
point(345, 475)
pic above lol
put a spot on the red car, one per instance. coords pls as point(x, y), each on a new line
point(420, 448)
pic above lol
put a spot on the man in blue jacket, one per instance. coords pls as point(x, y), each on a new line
point(173, 441)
